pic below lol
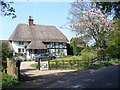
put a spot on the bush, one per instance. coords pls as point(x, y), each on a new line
point(104, 63)
point(101, 52)
point(8, 81)
point(113, 51)
point(88, 53)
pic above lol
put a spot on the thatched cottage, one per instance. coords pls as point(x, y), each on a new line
point(35, 39)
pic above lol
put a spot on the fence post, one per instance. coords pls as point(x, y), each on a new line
point(18, 65)
point(56, 64)
point(49, 64)
point(70, 63)
point(63, 63)
point(38, 64)
point(78, 64)
point(108, 58)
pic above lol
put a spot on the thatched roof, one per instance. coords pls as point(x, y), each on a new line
point(36, 45)
point(8, 43)
point(44, 33)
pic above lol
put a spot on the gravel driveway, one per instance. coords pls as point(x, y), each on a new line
point(28, 70)
point(34, 78)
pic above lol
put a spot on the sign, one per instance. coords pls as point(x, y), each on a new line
point(44, 65)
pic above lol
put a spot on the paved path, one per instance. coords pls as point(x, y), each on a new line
point(102, 78)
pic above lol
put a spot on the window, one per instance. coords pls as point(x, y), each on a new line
point(20, 50)
point(21, 43)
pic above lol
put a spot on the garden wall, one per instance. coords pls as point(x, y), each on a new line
point(11, 68)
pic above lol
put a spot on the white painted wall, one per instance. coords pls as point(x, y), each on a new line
point(16, 45)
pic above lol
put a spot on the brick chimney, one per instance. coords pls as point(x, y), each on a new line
point(30, 20)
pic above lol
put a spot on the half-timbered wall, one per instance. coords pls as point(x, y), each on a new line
point(56, 48)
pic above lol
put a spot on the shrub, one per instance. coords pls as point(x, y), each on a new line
point(88, 53)
point(104, 63)
point(101, 52)
point(8, 81)
point(113, 51)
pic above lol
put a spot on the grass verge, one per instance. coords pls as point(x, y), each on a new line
point(102, 64)
point(8, 81)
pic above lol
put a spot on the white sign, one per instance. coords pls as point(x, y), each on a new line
point(44, 65)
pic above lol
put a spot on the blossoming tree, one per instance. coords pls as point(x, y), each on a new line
point(90, 23)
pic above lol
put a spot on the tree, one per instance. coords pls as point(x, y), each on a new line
point(90, 23)
point(110, 8)
point(77, 44)
point(6, 9)
point(6, 52)
point(113, 42)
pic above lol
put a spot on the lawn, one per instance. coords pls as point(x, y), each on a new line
point(68, 58)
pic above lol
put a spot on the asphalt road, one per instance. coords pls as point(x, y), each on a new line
point(107, 77)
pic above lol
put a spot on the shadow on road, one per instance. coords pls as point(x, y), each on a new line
point(58, 75)
point(87, 78)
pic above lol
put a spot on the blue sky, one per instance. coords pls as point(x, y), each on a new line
point(44, 13)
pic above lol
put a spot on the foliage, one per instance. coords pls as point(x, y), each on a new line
point(113, 51)
point(6, 9)
point(90, 23)
point(113, 42)
point(77, 45)
point(88, 53)
point(6, 52)
point(110, 8)
point(69, 49)
point(20, 56)
point(8, 81)
point(101, 52)
point(104, 63)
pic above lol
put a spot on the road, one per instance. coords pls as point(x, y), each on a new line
point(102, 78)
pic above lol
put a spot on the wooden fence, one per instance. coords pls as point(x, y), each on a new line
point(63, 64)
point(100, 59)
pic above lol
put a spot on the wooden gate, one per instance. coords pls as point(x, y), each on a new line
point(43, 65)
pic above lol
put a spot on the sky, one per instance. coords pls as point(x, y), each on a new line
point(43, 13)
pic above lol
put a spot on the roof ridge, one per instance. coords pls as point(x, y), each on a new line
point(36, 24)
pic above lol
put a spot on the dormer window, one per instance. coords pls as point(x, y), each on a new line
point(21, 43)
